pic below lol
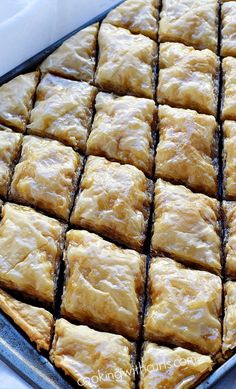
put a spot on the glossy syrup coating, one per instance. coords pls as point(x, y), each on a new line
point(229, 208)
point(228, 41)
point(229, 325)
point(229, 90)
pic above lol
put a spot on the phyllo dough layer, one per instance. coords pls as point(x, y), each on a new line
point(46, 175)
point(16, 100)
point(229, 92)
point(185, 306)
point(186, 226)
point(30, 249)
point(193, 23)
point(228, 41)
point(138, 16)
point(229, 155)
point(97, 270)
point(230, 239)
point(172, 368)
point(122, 130)
point(186, 152)
point(90, 356)
point(126, 62)
point(229, 325)
point(114, 201)
point(75, 58)
point(36, 323)
point(188, 78)
point(10, 143)
point(63, 111)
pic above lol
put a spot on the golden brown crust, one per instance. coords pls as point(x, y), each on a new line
point(188, 78)
point(114, 201)
point(229, 129)
point(36, 322)
point(229, 93)
point(187, 148)
point(45, 176)
point(126, 62)
point(99, 271)
point(90, 356)
point(228, 41)
point(185, 306)
point(122, 130)
point(186, 226)
point(229, 325)
point(75, 58)
point(230, 241)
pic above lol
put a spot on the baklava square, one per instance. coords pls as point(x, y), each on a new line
point(138, 16)
point(229, 324)
point(184, 306)
point(187, 149)
point(188, 78)
point(30, 249)
point(191, 23)
point(186, 226)
point(10, 144)
point(229, 92)
point(229, 159)
point(63, 111)
point(16, 98)
point(228, 41)
point(122, 130)
point(163, 367)
point(93, 358)
point(76, 57)
point(114, 200)
point(46, 175)
point(97, 270)
point(229, 208)
point(126, 62)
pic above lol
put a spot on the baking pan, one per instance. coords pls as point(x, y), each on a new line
point(15, 349)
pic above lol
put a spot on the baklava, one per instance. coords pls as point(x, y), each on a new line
point(76, 57)
point(229, 325)
point(229, 208)
point(122, 130)
point(229, 90)
point(138, 16)
point(184, 307)
point(35, 322)
point(228, 41)
point(10, 144)
point(46, 175)
point(16, 98)
point(186, 226)
point(229, 158)
point(191, 23)
point(114, 200)
point(30, 249)
point(93, 358)
point(187, 149)
point(126, 62)
point(63, 111)
point(188, 78)
point(97, 270)
point(178, 368)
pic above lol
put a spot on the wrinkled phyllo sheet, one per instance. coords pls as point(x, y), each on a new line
point(228, 41)
point(184, 306)
point(16, 97)
point(63, 111)
point(35, 322)
point(186, 226)
point(93, 358)
point(76, 57)
point(229, 156)
point(122, 130)
point(229, 89)
point(10, 144)
point(187, 149)
point(114, 200)
point(229, 325)
point(97, 270)
point(188, 78)
point(30, 249)
point(163, 367)
point(126, 62)
point(138, 16)
point(46, 175)
point(194, 23)
point(229, 208)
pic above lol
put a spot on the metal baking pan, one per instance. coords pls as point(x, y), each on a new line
point(15, 349)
